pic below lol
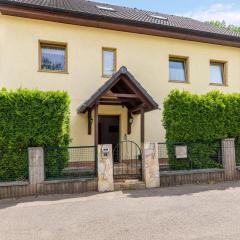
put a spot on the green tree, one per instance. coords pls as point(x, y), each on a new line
point(222, 24)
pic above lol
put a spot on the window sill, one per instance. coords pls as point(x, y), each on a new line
point(105, 76)
point(177, 81)
point(217, 84)
point(47, 71)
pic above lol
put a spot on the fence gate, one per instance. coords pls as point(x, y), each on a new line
point(127, 156)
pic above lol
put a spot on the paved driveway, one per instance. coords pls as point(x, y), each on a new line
point(188, 212)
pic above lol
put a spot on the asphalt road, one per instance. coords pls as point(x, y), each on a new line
point(187, 212)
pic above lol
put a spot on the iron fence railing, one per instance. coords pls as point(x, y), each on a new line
point(13, 164)
point(70, 162)
point(195, 155)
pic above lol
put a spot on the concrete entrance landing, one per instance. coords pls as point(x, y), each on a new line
point(128, 185)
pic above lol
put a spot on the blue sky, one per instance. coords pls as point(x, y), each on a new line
point(228, 10)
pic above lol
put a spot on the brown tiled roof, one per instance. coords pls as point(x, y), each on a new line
point(131, 16)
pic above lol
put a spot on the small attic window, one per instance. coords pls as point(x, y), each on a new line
point(105, 8)
point(159, 17)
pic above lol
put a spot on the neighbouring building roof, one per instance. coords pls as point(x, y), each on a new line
point(131, 16)
point(117, 89)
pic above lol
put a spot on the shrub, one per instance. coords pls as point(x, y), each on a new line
point(30, 118)
point(200, 155)
point(204, 118)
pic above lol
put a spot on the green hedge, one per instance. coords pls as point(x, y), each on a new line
point(204, 118)
point(30, 118)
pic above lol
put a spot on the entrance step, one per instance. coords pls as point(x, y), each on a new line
point(129, 185)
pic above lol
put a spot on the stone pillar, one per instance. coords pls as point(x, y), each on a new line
point(229, 158)
point(151, 165)
point(36, 165)
point(105, 168)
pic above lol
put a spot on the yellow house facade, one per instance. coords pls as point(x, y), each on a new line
point(146, 56)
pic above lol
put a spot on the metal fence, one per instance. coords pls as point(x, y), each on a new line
point(13, 164)
point(163, 156)
point(189, 156)
point(127, 156)
point(70, 162)
point(237, 151)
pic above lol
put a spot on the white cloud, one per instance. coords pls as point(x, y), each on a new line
point(218, 11)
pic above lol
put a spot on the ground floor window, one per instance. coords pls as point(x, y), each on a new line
point(178, 69)
point(217, 73)
point(52, 57)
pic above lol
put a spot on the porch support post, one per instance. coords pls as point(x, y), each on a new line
point(89, 122)
point(142, 126)
point(129, 125)
point(96, 125)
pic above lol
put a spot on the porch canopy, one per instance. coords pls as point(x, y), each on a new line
point(124, 90)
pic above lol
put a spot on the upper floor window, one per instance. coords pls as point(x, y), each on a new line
point(217, 73)
point(53, 57)
point(109, 62)
point(178, 69)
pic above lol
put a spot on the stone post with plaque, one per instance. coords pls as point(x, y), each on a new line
point(105, 168)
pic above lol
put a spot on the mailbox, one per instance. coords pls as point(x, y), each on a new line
point(105, 151)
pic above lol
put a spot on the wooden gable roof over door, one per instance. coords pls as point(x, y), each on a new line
point(121, 89)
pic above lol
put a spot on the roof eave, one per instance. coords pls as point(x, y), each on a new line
point(93, 20)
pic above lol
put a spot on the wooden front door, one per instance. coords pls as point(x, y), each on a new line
point(108, 127)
